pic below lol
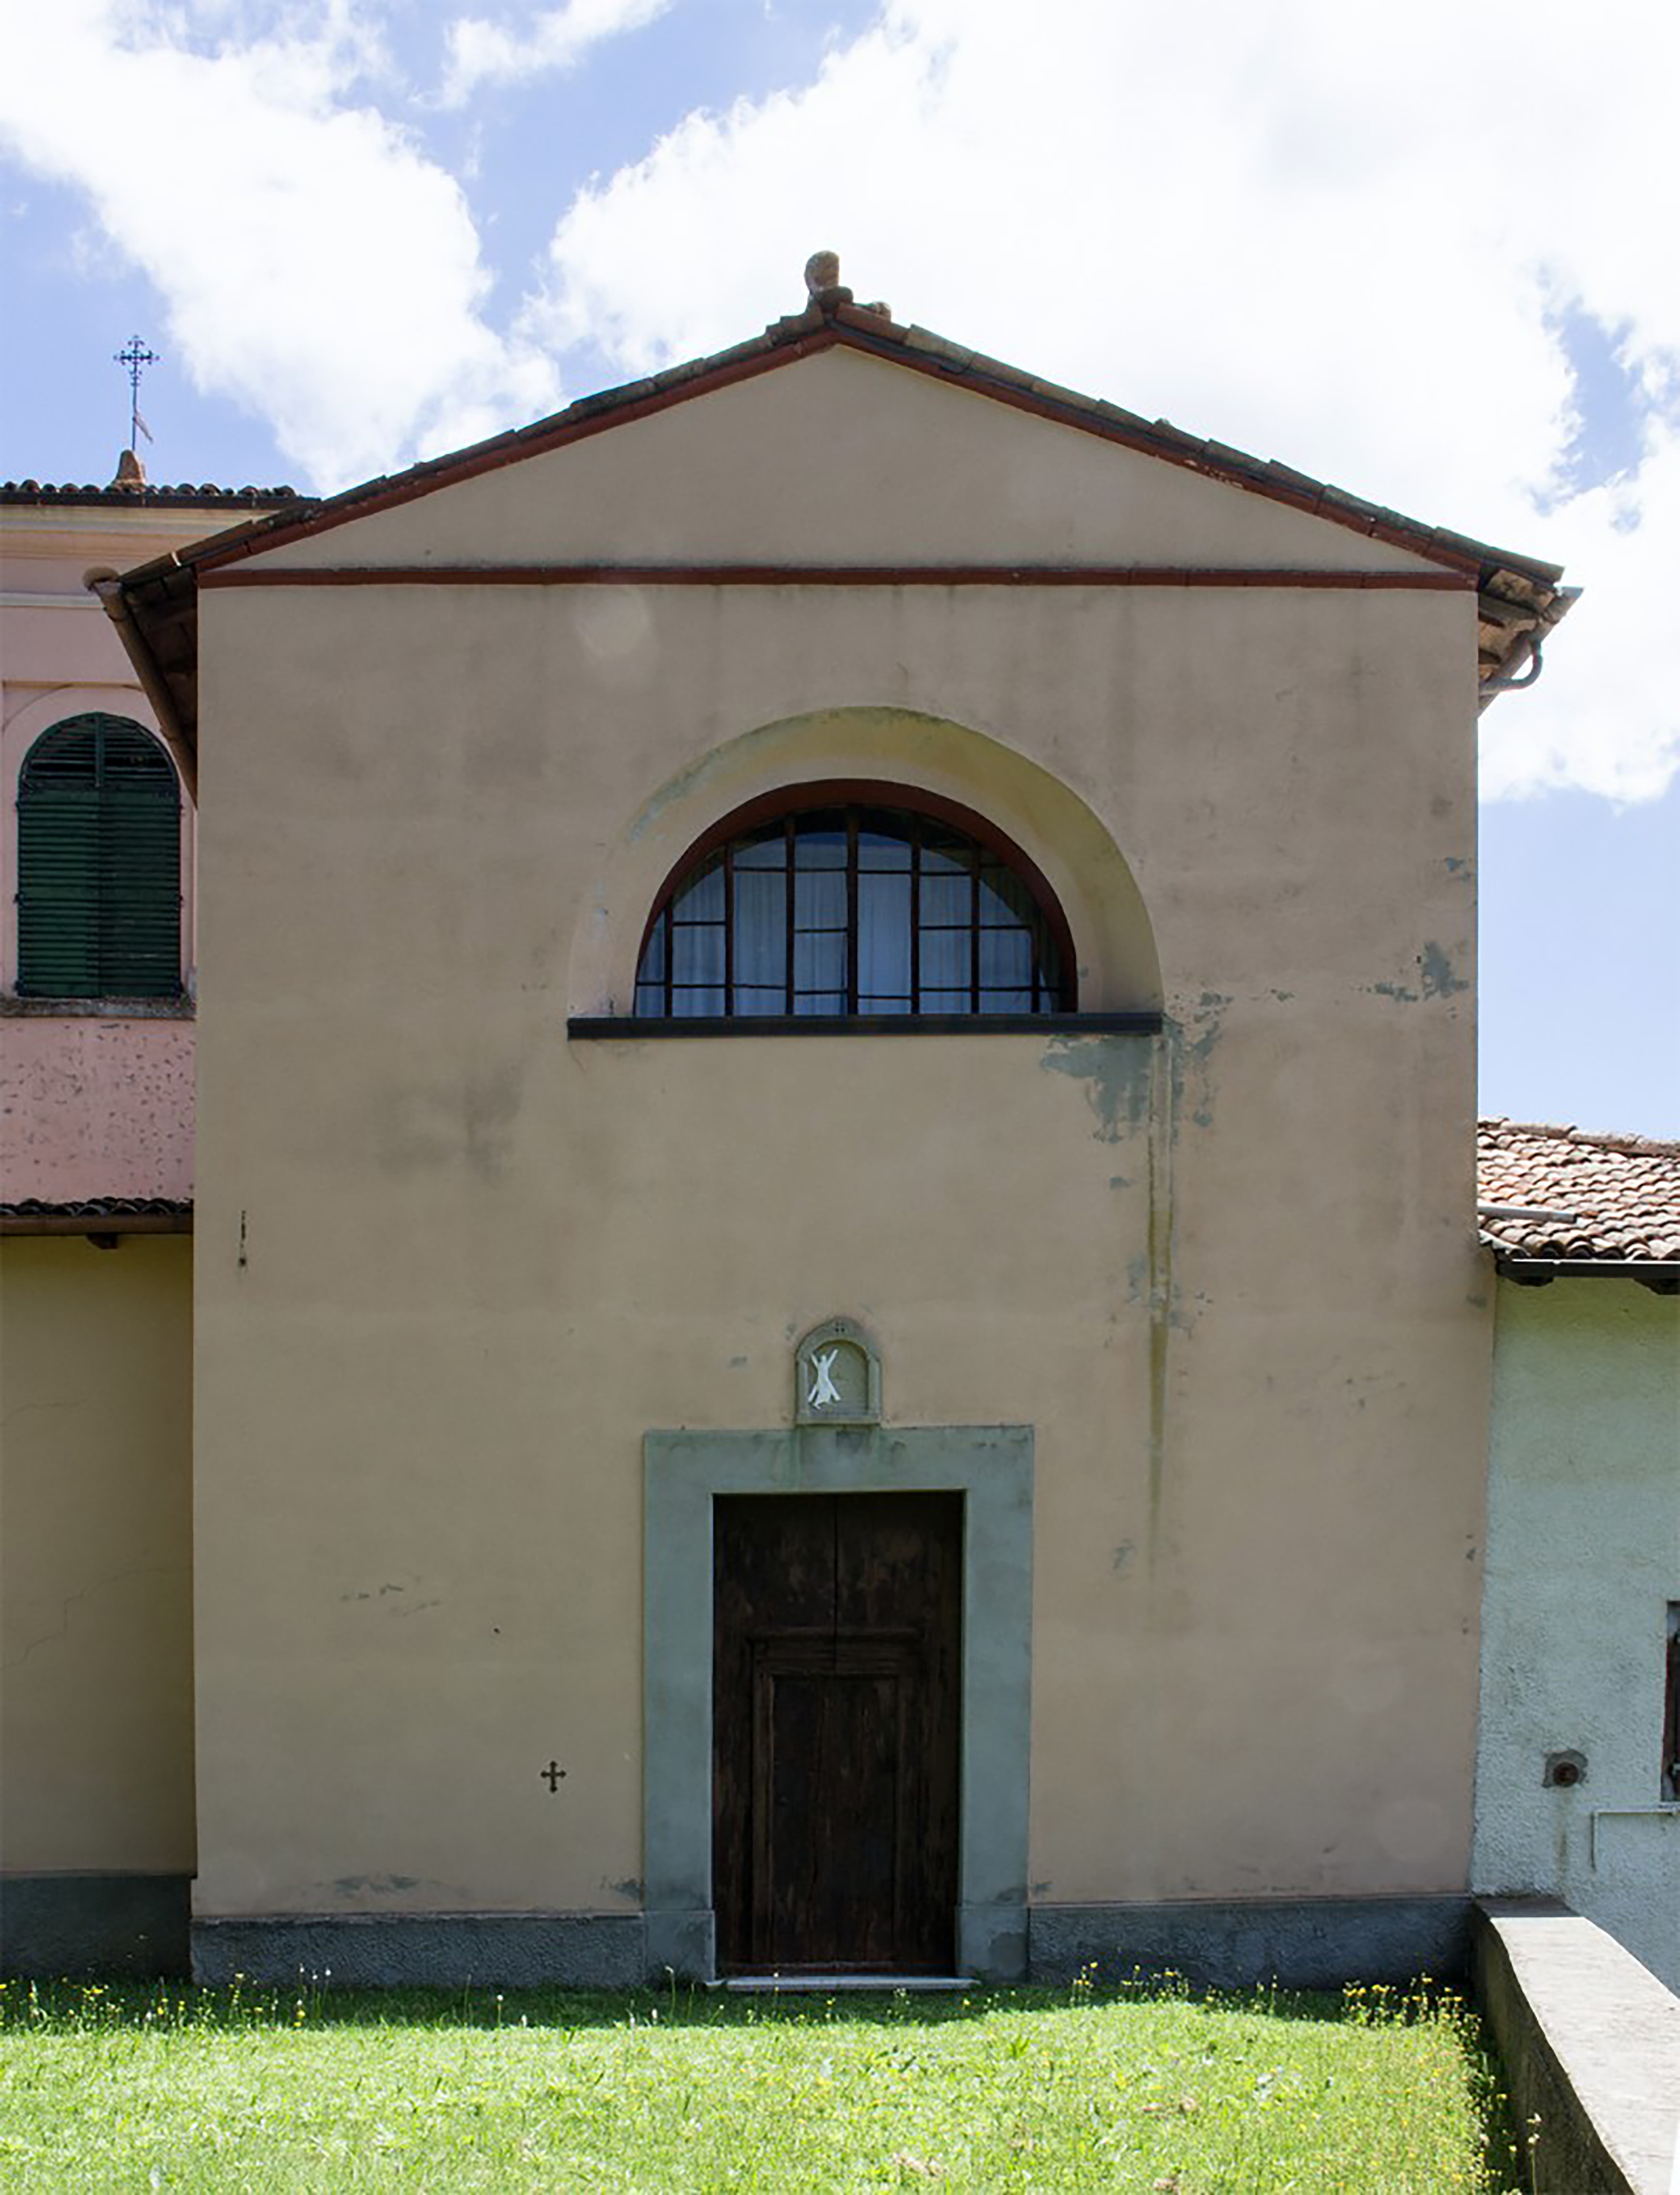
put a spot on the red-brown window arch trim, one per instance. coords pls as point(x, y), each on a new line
point(877, 792)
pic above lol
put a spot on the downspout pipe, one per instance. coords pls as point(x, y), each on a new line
point(182, 751)
point(1534, 664)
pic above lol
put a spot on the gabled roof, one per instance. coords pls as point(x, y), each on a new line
point(1562, 1198)
point(1520, 598)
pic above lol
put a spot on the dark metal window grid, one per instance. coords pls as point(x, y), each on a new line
point(875, 911)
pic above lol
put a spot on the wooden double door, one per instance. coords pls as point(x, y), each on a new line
point(836, 1704)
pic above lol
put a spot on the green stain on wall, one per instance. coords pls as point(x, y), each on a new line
point(1117, 1073)
point(1166, 1097)
point(1143, 1087)
point(1440, 982)
point(1200, 1041)
point(1440, 979)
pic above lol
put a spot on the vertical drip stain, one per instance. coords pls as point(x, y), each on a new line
point(1165, 1072)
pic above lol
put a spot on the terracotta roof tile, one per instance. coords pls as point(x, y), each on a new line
point(1608, 1199)
point(99, 1217)
point(97, 1207)
point(147, 498)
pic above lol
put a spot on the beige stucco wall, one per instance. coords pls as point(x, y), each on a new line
point(452, 1266)
point(847, 459)
point(95, 1563)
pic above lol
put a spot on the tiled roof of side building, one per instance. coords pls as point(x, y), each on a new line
point(96, 1208)
point(101, 1216)
point(1570, 1195)
point(146, 497)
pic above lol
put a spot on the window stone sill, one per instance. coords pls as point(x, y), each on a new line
point(107, 1009)
point(640, 1028)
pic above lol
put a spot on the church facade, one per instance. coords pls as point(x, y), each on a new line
point(837, 1324)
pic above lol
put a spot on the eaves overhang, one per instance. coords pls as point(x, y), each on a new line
point(1661, 1276)
point(100, 1218)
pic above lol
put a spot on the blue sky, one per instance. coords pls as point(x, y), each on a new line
point(1402, 250)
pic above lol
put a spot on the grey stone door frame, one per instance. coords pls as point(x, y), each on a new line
point(992, 1466)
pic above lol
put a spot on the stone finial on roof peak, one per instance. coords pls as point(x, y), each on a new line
point(822, 281)
point(130, 472)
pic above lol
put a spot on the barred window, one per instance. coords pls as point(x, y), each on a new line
point(851, 902)
point(98, 864)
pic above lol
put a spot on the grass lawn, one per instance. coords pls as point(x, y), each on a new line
point(1148, 2088)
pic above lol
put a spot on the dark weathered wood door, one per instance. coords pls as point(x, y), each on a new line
point(836, 1718)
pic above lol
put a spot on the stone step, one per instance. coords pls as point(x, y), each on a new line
point(804, 1985)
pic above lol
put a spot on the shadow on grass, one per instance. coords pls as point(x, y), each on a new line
point(315, 2001)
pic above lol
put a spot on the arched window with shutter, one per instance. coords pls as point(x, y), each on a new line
point(854, 901)
point(98, 864)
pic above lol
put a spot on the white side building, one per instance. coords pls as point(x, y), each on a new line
point(1578, 1771)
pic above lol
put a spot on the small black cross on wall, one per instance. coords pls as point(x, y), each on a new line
point(554, 1775)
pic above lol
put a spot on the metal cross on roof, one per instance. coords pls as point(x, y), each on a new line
point(136, 357)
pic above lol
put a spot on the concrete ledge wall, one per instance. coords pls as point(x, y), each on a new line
point(54, 1925)
point(1590, 2044)
point(1302, 1942)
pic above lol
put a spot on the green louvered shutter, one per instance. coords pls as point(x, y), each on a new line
point(98, 864)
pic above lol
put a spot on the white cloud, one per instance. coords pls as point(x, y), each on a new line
point(314, 264)
point(1604, 716)
point(484, 52)
point(1337, 235)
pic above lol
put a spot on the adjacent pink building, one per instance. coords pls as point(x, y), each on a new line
point(96, 1005)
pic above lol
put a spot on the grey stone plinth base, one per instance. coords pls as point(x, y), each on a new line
point(681, 1942)
point(991, 1941)
point(1214, 1944)
point(459, 1950)
point(1300, 1943)
point(115, 1925)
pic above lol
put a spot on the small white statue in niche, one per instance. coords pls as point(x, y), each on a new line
point(837, 1373)
point(824, 1392)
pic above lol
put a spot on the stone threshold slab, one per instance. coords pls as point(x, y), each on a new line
point(843, 1984)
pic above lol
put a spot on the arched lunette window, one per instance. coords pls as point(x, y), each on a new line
point(854, 900)
point(98, 864)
